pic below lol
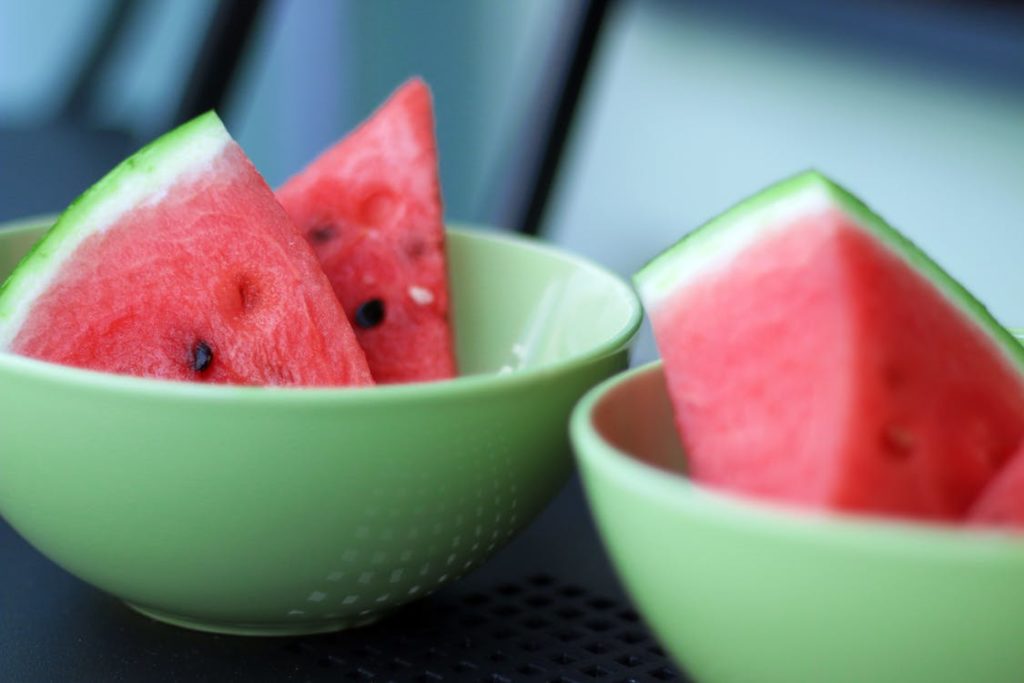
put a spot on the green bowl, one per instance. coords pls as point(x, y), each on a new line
point(282, 511)
point(745, 592)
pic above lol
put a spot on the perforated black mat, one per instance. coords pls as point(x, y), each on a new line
point(537, 630)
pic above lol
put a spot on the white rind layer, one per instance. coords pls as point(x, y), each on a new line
point(140, 180)
point(709, 251)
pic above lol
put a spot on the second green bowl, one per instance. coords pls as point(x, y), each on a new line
point(747, 592)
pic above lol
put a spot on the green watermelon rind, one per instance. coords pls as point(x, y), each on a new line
point(135, 180)
point(664, 273)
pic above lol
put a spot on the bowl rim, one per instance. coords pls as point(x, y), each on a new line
point(459, 386)
point(679, 493)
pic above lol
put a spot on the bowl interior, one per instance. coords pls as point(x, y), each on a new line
point(635, 417)
point(516, 303)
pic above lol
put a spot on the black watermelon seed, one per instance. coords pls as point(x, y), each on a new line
point(321, 234)
point(370, 314)
point(202, 356)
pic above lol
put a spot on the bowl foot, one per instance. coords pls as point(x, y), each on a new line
point(282, 628)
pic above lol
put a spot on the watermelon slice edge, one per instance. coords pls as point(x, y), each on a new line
point(179, 264)
point(661, 274)
point(160, 160)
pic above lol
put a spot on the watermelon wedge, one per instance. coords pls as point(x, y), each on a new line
point(1001, 503)
point(371, 208)
point(815, 356)
point(180, 264)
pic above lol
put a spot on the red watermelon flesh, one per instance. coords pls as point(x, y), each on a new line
point(371, 208)
point(1001, 504)
point(198, 277)
point(816, 365)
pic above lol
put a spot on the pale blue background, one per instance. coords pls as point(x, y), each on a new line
point(689, 110)
point(317, 68)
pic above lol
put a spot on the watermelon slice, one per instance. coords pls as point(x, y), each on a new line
point(815, 356)
point(180, 264)
point(371, 207)
point(1001, 504)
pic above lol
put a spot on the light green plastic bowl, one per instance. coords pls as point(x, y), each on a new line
point(283, 511)
point(742, 592)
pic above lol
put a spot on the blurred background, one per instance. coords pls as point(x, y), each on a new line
point(683, 107)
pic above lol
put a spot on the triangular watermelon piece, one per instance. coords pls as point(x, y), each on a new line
point(1001, 503)
point(815, 356)
point(180, 264)
point(371, 208)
